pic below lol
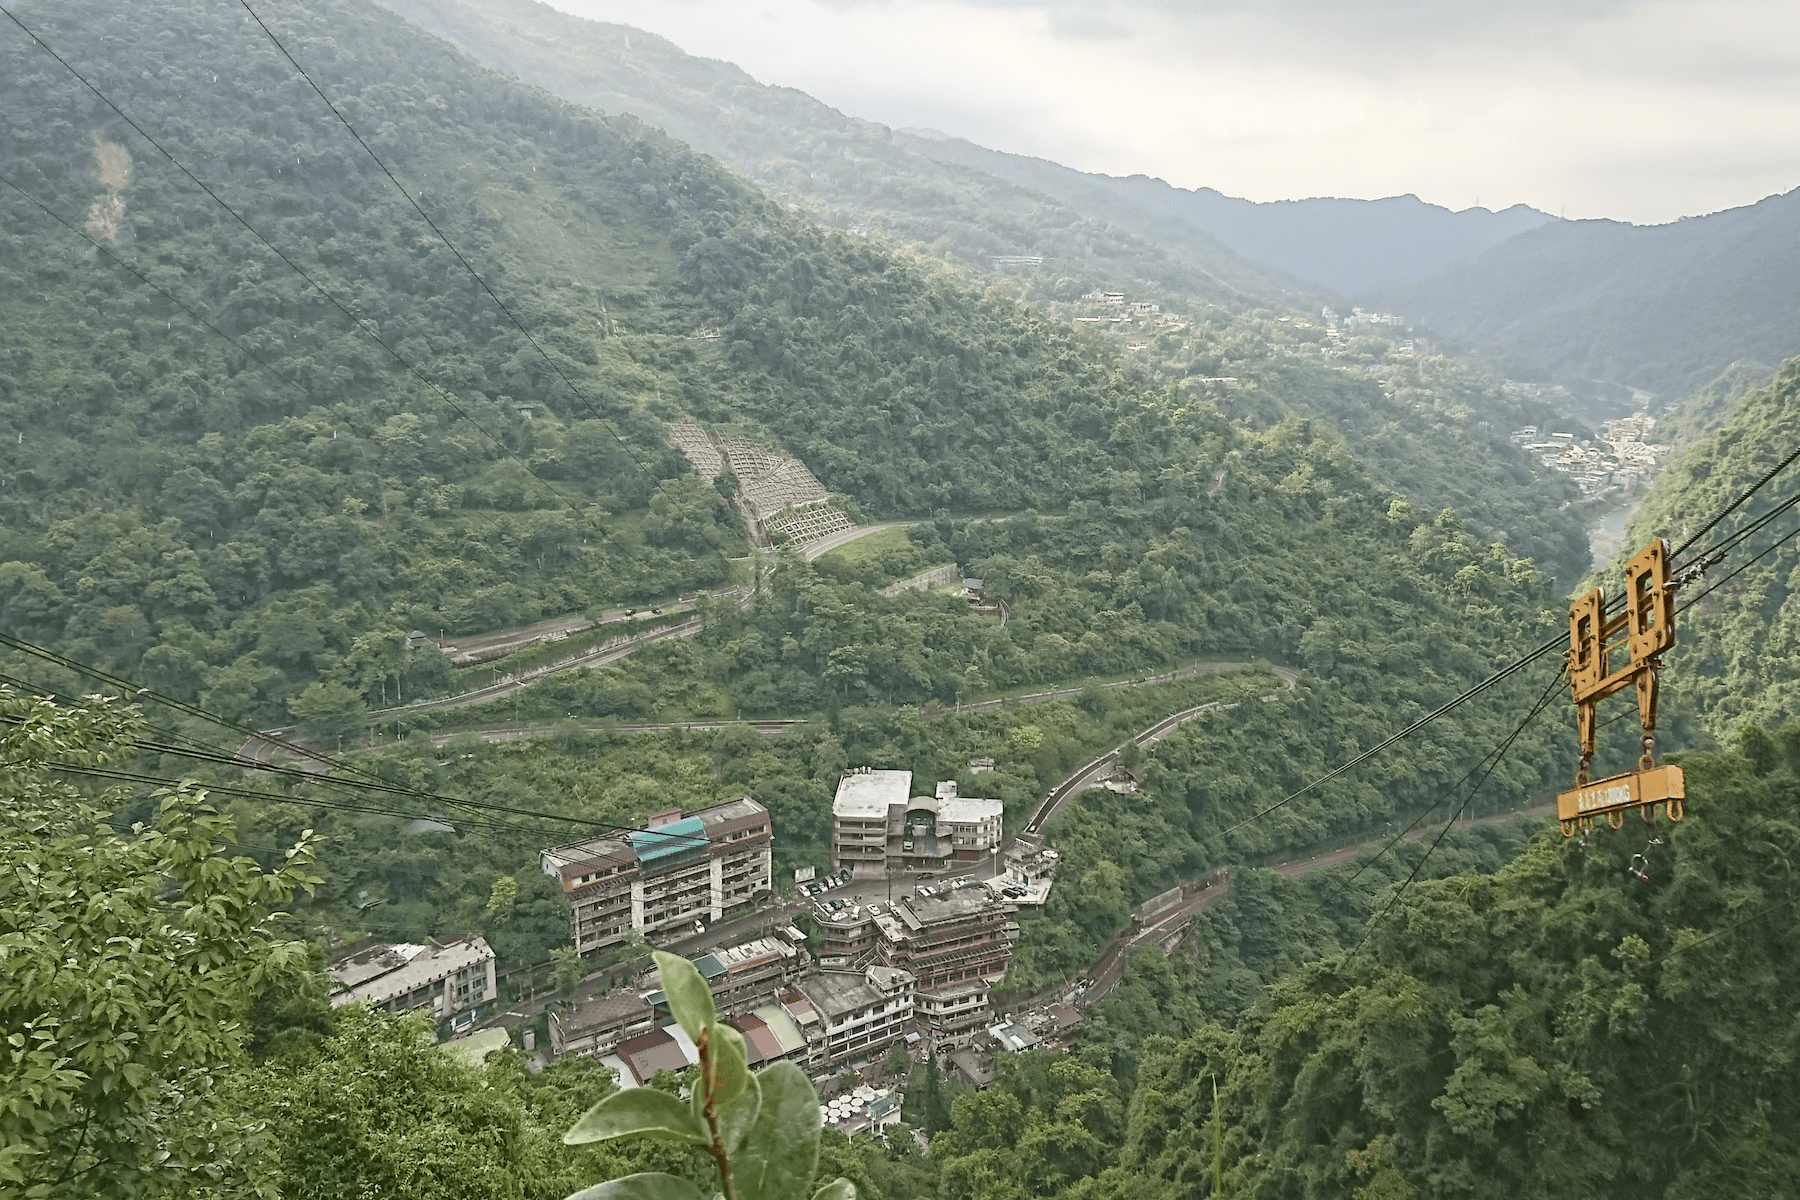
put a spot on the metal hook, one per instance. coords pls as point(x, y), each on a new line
point(1642, 874)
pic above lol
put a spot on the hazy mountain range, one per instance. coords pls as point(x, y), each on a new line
point(1659, 308)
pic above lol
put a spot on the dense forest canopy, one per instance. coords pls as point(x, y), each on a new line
point(229, 518)
point(1737, 662)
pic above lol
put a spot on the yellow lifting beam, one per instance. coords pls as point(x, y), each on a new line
point(1648, 626)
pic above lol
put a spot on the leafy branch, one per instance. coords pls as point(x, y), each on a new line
point(762, 1128)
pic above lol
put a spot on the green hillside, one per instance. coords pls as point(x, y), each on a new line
point(952, 198)
point(1738, 661)
point(254, 518)
point(229, 516)
point(849, 173)
point(1664, 308)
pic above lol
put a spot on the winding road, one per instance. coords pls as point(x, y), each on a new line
point(1092, 773)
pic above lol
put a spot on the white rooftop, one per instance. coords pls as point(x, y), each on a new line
point(384, 972)
point(968, 810)
point(868, 793)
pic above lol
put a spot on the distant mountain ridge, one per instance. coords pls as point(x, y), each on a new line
point(849, 173)
point(1600, 305)
point(1665, 308)
point(1352, 247)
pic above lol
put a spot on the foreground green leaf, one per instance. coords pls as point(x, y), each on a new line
point(731, 1064)
point(650, 1185)
point(689, 998)
point(638, 1111)
point(838, 1189)
point(781, 1151)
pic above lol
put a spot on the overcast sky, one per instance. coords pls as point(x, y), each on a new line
point(1615, 108)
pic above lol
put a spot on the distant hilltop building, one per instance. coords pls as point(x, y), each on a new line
point(448, 976)
point(677, 870)
point(875, 821)
point(1627, 458)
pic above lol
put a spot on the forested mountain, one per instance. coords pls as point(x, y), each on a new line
point(849, 173)
point(255, 503)
point(1352, 247)
point(229, 515)
point(857, 174)
point(1554, 1028)
point(1738, 659)
point(1664, 308)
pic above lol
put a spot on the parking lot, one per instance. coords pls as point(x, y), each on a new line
point(843, 895)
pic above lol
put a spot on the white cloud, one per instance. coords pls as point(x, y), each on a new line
point(1639, 109)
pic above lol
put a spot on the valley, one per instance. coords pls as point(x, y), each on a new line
point(1076, 658)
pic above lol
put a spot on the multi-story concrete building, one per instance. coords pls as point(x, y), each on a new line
point(677, 870)
point(860, 1013)
point(744, 976)
point(876, 822)
point(449, 976)
point(956, 943)
point(597, 1024)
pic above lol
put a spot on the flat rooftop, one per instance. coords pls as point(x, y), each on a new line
point(384, 972)
point(835, 993)
point(868, 793)
point(696, 831)
point(916, 911)
point(967, 810)
point(763, 949)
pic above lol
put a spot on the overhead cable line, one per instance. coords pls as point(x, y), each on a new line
point(1462, 697)
point(1742, 567)
point(1525, 660)
point(362, 325)
point(150, 283)
point(123, 776)
point(252, 355)
point(379, 783)
point(1500, 754)
point(443, 237)
point(1773, 471)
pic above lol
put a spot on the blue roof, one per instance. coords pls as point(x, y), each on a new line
point(665, 841)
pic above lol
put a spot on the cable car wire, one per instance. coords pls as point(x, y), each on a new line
point(1773, 471)
point(1542, 702)
point(1462, 697)
point(377, 782)
point(1498, 752)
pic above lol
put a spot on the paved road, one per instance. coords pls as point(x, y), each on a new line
point(1199, 668)
point(513, 733)
point(832, 541)
point(264, 747)
point(484, 647)
point(1092, 773)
